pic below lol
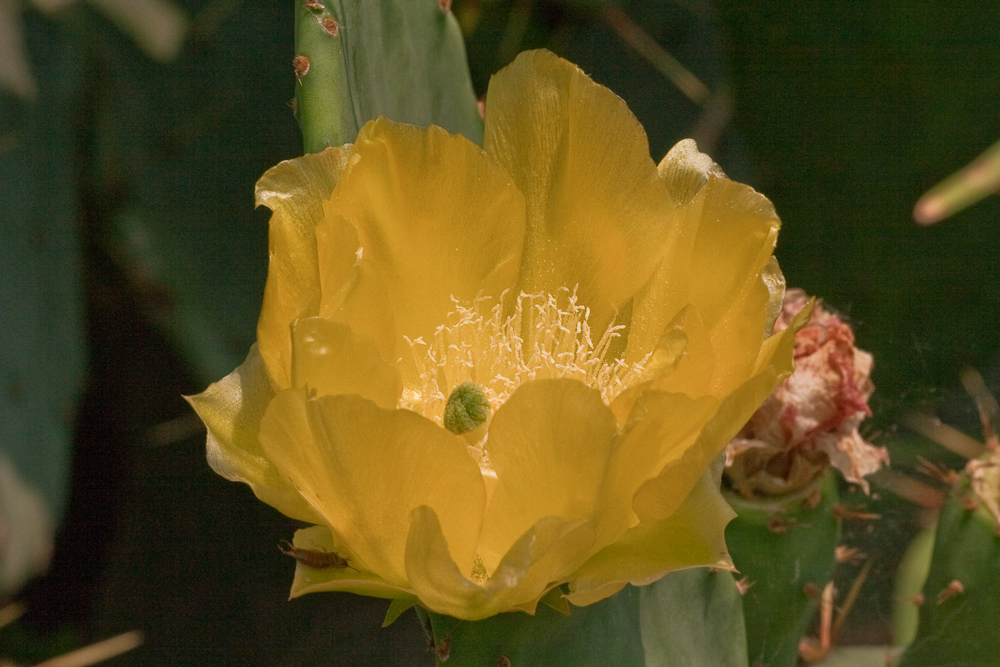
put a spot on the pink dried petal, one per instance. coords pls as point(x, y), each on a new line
point(814, 415)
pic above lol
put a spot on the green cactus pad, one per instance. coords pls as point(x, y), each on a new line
point(401, 59)
point(958, 620)
point(780, 546)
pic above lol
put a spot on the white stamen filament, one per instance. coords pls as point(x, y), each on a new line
point(545, 336)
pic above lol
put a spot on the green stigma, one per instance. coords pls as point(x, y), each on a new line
point(467, 409)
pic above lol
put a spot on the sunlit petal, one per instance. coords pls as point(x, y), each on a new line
point(364, 469)
point(550, 445)
point(692, 536)
point(232, 409)
point(659, 497)
point(532, 567)
point(294, 190)
point(721, 264)
point(329, 358)
point(661, 431)
point(432, 235)
point(596, 209)
point(329, 579)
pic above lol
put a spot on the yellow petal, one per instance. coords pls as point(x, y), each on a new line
point(365, 469)
point(659, 497)
point(295, 191)
point(359, 301)
point(660, 432)
point(685, 171)
point(540, 560)
point(337, 246)
point(595, 205)
point(352, 292)
point(732, 229)
point(433, 574)
point(232, 409)
point(328, 579)
point(544, 557)
point(329, 358)
point(721, 264)
point(697, 368)
point(775, 282)
point(436, 219)
point(692, 536)
point(591, 595)
point(549, 445)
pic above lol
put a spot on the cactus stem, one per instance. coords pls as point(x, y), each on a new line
point(324, 110)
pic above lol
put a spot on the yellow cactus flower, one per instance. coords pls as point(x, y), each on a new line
point(491, 375)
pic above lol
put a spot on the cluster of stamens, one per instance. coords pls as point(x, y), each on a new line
point(502, 345)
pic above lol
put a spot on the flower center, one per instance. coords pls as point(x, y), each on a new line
point(467, 409)
point(499, 346)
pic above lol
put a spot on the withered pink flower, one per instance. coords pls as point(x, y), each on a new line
point(811, 421)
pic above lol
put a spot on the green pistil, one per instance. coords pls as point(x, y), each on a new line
point(467, 409)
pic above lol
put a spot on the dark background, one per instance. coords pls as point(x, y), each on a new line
point(141, 176)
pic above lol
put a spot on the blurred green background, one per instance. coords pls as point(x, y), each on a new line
point(134, 265)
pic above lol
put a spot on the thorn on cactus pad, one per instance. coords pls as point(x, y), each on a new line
point(330, 26)
point(744, 584)
point(848, 555)
point(301, 65)
point(953, 588)
point(842, 511)
point(779, 524)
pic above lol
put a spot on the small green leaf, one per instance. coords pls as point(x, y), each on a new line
point(396, 609)
point(555, 599)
